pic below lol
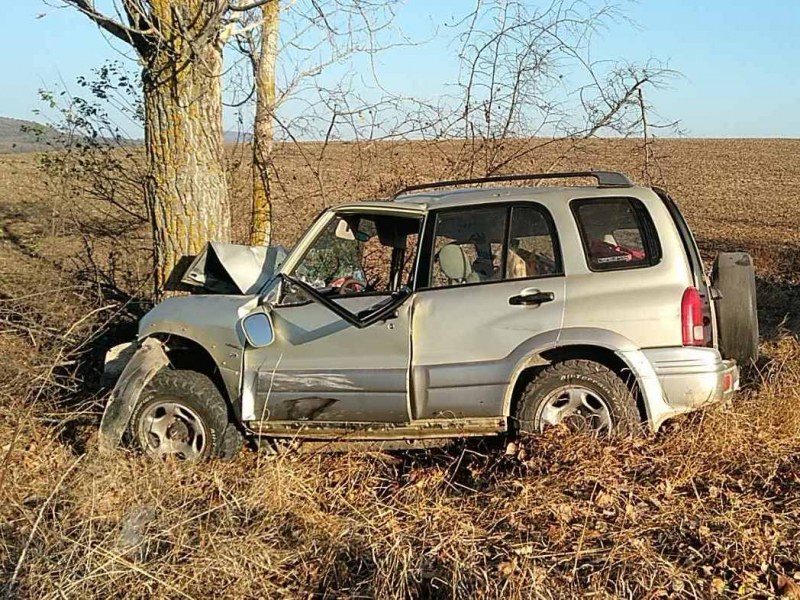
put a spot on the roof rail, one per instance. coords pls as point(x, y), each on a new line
point(609, 179)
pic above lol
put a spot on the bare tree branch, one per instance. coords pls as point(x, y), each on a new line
point(131, 35)
point(249, 6)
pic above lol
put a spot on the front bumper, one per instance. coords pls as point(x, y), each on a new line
point(116, 359)
point(693, 377)
point(148, 359)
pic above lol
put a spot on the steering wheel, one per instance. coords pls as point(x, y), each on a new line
point(348, 285)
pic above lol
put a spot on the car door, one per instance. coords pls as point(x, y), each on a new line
point(493, 290)
point(331, 368)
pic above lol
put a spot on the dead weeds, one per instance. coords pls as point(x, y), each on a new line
point(708, 507)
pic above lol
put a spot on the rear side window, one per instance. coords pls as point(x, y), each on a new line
point(617, 233)
point(468, 247)
point(531, 245)
point(496, 243)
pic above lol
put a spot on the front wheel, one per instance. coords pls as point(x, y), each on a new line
point(181, 414)
point(581, 394)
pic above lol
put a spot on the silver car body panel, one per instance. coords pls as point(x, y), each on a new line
point(320, 368)
point(459, 365)
point(691, 377)
point(148, 360)
point(359, 431)
point(641, 304)
point(209, 321)
point(233, 268)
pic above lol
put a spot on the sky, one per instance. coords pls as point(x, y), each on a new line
point(738, 60)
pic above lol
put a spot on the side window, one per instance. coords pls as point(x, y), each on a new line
point(477, 245)
point(531, 245)
point(336, 254)
point(617, 233)
point(359, 254)
point(468, 246)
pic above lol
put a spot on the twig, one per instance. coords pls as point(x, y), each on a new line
point(38, 520)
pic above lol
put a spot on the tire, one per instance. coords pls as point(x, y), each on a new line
point(604, 396)
point(734, 277)
point(182, 414)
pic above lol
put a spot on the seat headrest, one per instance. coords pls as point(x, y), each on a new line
point(453, 262)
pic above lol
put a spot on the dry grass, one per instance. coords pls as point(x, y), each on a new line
point(708, 506)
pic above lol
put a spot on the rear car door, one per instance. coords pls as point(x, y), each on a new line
point(491, 289)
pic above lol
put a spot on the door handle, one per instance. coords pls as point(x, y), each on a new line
point(531, 297)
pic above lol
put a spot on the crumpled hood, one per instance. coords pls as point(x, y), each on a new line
point(233, 269)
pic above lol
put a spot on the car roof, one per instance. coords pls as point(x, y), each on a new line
point(428, 200)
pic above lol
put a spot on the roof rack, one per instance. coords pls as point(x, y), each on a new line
point(609, 179)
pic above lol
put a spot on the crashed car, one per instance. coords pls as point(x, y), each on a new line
point(446, 311)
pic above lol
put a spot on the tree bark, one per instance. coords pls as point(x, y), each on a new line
point(261, 215)
point(187, 193)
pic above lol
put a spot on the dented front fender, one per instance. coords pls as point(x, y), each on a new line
point(142, 367)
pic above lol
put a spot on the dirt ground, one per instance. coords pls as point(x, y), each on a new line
point(707, 507)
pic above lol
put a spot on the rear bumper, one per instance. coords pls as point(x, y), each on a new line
point(693, 377)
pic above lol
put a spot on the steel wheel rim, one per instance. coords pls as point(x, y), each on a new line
point(576, 406)
point(172, 429)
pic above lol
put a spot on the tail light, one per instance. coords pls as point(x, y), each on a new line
point(692, 318)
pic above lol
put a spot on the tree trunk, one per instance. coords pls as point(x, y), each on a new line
point(261, 216)
point(187, 193)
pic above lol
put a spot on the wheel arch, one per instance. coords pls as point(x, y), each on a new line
point(186, 353)
point(156, 352)
point(605, 347)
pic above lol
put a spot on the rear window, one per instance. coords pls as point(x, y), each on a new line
point(617, 233)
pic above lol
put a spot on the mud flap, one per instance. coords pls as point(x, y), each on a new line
point(147, 361)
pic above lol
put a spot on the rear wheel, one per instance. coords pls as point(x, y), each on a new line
point(733, 276)
point(581, 394)
point(181, 414)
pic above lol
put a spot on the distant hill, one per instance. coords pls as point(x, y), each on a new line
point(237, 137)
point(18, 136)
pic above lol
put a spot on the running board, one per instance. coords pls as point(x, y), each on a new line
point(334, 445)
point(416, 430)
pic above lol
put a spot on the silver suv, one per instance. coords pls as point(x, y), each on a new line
point(446, 311)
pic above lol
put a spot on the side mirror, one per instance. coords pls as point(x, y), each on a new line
point(257, 328)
